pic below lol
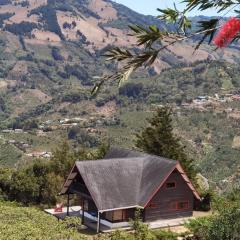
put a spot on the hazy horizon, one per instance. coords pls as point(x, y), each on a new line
point(150, 8)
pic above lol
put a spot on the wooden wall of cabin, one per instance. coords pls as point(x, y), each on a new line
point(89, 205)
point(174, 199)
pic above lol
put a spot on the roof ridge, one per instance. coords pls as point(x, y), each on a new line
point(172, 165)
point(160, 157)
point(144, 153)
point(107, 159)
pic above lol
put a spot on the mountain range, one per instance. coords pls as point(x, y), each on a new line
point(51, 56)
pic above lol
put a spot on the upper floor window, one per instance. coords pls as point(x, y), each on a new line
point(179, 205)
point(152, 205)
point(119, 215)
point(183, 205)
point(170, 185)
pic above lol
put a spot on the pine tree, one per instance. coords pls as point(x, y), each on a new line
point(158, 139)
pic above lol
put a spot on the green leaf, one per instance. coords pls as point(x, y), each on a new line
point(147, 36)
point(125, 76)
point(169, 14)
point(97, 88)
point(209, 28)
point(118, 54)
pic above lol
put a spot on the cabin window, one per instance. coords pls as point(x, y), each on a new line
point(183, 205)
point(109, 216)
point(170, 185)
point(86, 207)
point(152, 205)
point(119, 215)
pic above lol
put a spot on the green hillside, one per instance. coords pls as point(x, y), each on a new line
point(51, 56)
point(50, 61)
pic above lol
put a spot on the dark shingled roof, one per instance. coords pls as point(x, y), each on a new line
point(124, 178)
point(123, 153)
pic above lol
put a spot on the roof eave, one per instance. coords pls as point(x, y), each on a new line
point(188, 181)
point(121, 208)
point(62, 191)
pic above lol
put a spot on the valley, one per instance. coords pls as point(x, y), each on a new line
point(51, 56)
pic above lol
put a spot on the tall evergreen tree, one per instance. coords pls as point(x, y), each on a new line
point(158, 139)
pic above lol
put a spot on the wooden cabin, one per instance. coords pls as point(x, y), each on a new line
point(114, 187)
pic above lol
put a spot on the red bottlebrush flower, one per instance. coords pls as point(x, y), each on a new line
point(227, 33)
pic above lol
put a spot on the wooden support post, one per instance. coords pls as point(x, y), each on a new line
point(144, 215)
point(100, 214)
point(98, 222)
point(83, 211)
point(68, 200)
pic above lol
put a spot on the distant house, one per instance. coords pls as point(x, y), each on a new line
point(7, 131)
point(202, 98)
point(18, 130)
point(236, 97)
point(113, 188)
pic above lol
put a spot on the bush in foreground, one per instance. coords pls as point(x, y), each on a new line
point(24, 223)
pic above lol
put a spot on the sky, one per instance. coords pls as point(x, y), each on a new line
point(149, 7)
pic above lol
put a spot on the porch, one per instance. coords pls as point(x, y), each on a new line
point(88, 219)
point(105, 226)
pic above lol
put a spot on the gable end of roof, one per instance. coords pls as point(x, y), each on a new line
point(129, 179)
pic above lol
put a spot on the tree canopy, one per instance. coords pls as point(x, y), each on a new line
point(159, 139)
point(40, 181)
